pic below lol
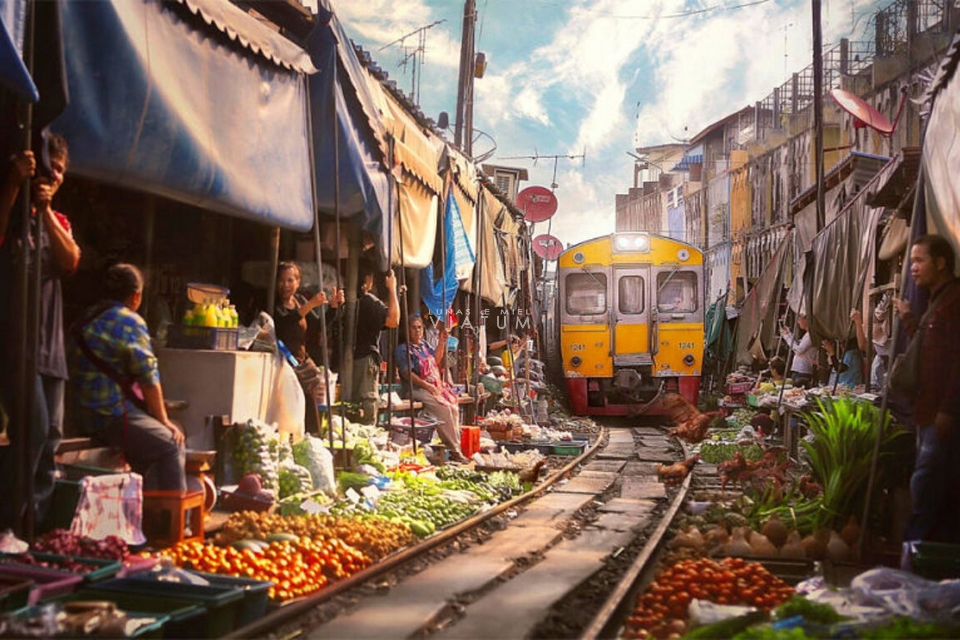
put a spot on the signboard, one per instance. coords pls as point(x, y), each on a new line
point(547, 247)
point(537, 203)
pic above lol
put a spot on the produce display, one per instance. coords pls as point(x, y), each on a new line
point(662, 609)
point(374, 536)
point(296, 565)
point(258, 450)
point(62, 542)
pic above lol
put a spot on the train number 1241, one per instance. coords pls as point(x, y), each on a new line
point(687, 345)
point(577, 347)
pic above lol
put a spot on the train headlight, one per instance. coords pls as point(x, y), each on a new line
point(623, 242)
point(683, 255)
point(689, 360)
point(576, 361)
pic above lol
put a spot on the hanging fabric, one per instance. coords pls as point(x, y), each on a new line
point(439, 294)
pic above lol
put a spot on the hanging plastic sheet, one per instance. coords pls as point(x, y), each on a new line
point(211, 112)
point(759, 313)
point(841, 256)
point(941, 153)
point(438, 295)
point(343, 92)
point(492, 281)
point(13, 73)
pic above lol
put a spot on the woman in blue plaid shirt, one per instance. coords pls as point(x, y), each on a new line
point(117, 385)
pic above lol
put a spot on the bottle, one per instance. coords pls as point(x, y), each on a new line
point(188, 318)
point(210, 315)
point(234, 317)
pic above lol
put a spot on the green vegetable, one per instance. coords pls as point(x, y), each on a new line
point(726, 628)
point(350, 480)
point(766, 632)
point(811, 611)
point(908, 628)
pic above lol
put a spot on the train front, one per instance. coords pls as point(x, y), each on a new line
point(630, 323)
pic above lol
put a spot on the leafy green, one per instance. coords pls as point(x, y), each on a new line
point(816, 612)
point(839, 454)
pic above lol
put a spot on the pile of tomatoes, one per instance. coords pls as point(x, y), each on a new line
point(662, 609)
point(296, 568)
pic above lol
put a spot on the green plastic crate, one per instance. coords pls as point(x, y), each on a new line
point(184, 619)
point(573, 448)
point(221, 603)
point(935, 560)
point(14, 592)
point(255, 593)
point(151, 630)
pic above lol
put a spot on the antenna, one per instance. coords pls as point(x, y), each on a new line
point(556, 158)
point(413, 56)
point(784, 29)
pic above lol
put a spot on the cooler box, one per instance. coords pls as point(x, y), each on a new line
point(469, 440)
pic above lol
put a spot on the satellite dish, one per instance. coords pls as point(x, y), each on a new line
point(537, 203)
point(863, 114)
point(547, 247)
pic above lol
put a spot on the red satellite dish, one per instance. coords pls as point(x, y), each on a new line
point(864, 115)
point(537, 203)
point(547, 247)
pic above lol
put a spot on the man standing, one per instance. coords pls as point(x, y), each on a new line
point(935, 483)
point(372, 317)
point(59, 257)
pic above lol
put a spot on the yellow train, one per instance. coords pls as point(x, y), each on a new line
point(629, 321)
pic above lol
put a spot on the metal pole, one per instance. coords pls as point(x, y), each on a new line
point(818, 112)
point(26, 349)
point(319, 258)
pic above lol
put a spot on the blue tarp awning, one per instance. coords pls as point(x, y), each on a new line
point(13, 74)
point(195, 101)
point(364, 183)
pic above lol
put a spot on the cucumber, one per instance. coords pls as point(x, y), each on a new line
point(248, 545)
point(282, 537)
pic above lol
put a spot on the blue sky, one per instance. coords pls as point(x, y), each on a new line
point(598, 77)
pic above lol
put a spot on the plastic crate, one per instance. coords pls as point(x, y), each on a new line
point(14, 592)
point(221, 603)
point(739, 388)
point(100, 568)
point(571, 448)
point(400, 430)
point(935, 560)
point(47, 583)
point(29, 617)
point(469, 440)
point(255, 593)
point(209, 338)
point(184, 619)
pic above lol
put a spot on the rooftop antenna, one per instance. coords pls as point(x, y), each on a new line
point(556, 158)
point(414, 57)
point(784, 29)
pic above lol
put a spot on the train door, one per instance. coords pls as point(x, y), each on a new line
point(631, 317)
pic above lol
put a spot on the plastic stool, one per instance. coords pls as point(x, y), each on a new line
point(170, 517)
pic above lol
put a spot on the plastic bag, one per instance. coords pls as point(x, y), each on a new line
point(312, 454)
point(905, 594)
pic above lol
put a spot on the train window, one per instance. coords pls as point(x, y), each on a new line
point(586, 294)
point(630, 294)
point(677, 292)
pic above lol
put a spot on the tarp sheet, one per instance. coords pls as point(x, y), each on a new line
point(13, 73)
point(340, 94)
point(758, 314)
point(492, 281)
point(941, 152)
point(162, 102)
point(841, 257)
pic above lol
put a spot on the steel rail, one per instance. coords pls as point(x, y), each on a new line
point(287, 612)
point(612, 610)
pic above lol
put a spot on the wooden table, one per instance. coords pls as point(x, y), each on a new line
point(404, 407)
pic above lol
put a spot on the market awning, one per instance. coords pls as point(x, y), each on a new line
point(416, 156)
point(941, 155)
point(341, 87)
point(758, 314)
point(841, 257)
point(13, 73)
point(492, 281)
point(194, 101)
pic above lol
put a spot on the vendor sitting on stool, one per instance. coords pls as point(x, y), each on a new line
point(117, 384)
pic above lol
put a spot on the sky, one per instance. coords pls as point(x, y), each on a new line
point(590, 80)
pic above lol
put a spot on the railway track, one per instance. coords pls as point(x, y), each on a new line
point(566, 559)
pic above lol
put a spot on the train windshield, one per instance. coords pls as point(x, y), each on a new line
point(630, 294)
point(586, 294)
point(677, 292)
